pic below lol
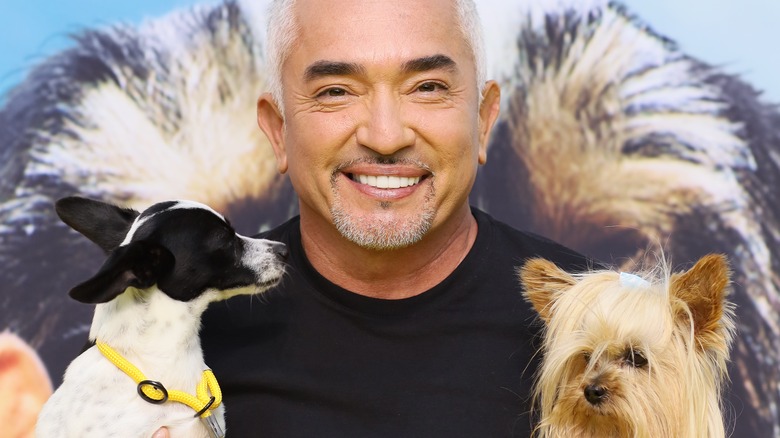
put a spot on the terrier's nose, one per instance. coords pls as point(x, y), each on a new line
point(595, 394)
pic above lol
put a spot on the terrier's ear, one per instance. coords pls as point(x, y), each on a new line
point(139, 264)
point(542, 281)
point(104, 224)
point(703, 288)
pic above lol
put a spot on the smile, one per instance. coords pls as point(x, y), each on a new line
point(385, 181)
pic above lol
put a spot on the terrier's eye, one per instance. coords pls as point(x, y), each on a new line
point(586, 356)
point(635, 358)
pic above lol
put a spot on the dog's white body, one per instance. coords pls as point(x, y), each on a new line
point(154, 332)
point(97, 398)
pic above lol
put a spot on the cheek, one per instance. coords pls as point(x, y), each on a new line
point(318, 135)
point(456, 143)
point(316, 145)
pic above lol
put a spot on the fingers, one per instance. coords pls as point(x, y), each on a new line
point(162, 433)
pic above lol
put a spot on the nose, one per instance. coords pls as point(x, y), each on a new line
point(595, 394)
point(385, 130)
point(280, 249)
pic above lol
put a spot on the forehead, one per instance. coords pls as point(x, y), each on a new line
point(373, 32)
point(177, 205)
point(164, 211)
point(623, 314)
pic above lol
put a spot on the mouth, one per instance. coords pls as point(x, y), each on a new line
point(386, 181)
point(261, 286)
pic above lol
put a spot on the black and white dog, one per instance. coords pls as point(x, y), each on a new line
point(165, 266)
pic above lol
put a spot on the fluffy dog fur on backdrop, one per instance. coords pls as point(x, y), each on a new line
point(612, 140)
point(616, 142)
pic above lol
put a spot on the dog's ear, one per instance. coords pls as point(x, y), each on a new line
point(542, 280)
point(139, 264)
point(104, 224)
point(703, 288)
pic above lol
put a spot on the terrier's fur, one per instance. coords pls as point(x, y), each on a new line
point(623, 359)
point(165, 266)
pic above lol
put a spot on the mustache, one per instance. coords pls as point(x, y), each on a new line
point(382, 160)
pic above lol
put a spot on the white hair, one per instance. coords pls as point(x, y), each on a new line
point(283, 29)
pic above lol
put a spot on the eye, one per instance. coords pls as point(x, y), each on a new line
point(635, 358)
point(431, 87)
point(586, 356)
point(332, 92)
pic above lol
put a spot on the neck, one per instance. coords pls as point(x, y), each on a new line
point(149, 324)
point(389, 274)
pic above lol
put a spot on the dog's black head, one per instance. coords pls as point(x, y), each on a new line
point(183, 247)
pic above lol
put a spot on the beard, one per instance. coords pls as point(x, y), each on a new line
point(382, 233)
point(383, 230)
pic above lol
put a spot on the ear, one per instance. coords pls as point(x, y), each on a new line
point(703, 288)
point(139, 264)
point(489, 107)
point(542, 281)
point(271, 122)
point(104, 224)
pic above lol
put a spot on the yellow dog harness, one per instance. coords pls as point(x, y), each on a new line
point(154, 392)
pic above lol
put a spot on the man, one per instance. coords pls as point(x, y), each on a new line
point(400, 315)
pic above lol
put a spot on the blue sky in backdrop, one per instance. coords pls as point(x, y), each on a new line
point(739, 35)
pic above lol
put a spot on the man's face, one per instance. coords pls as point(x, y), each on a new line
point(382, 131)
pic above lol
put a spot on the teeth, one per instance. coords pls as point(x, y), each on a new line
point(386, 182)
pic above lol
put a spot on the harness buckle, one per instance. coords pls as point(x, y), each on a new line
point(156, 386)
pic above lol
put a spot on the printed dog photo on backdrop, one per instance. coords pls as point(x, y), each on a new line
point(617, 143)
point(146, 369)
point(24, 386)
point(630, 356)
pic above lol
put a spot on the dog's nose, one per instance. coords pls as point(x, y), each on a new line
point(595, 394)
point(280, 249)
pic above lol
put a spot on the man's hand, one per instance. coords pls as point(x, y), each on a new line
point(162, 433)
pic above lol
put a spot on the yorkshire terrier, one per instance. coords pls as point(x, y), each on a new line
point(626, 356)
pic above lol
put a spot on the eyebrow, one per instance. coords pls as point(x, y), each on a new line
point(324, 68)
point(332, 68)
point(428, 63)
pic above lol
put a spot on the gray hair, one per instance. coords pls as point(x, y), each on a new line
point(283, 29)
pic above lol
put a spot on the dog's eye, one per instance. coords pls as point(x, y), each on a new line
point(635, 358)
point(586, 356)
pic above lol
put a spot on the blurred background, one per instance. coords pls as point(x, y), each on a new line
point(739, 36)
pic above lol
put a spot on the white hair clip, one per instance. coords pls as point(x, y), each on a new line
point(631, 280)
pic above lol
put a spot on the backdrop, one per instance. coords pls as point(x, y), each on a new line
point(625, 129)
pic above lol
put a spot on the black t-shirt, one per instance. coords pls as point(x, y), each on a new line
point(310, 359)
